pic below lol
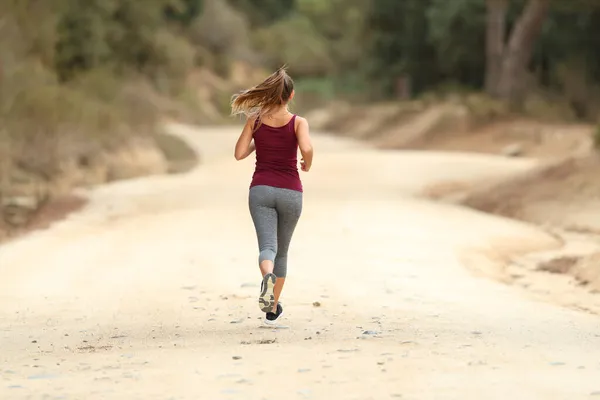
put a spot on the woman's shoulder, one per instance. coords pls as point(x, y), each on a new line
point(252, 123)
point(299, 120)
point(299, 117)
point(252, 120)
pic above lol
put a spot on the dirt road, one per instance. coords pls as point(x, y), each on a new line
point(149, 292)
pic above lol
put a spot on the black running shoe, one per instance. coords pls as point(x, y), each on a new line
point(272, 318)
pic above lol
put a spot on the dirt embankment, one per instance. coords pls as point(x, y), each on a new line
point(561, 195)
point(30, 201)
point(564, 198)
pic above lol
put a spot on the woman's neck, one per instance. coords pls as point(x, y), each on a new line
point(279, 112)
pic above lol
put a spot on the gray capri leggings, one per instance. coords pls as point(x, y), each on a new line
point(275, 213)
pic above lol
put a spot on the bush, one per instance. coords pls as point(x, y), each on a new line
point(483, 109)
point(172, 60)
point(180, 156)
point(51, 123)
point(220, 28)
point(295, 42)
point(313, 93)
point(46, 123)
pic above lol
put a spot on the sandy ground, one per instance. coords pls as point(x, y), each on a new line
point(150, 291)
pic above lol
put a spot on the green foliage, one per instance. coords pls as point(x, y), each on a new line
point(122, 35)
point(43, 116)
point(172, 58)
point(366, 46)
point(82, 38)
point(437, 41)
point(460, 55)
point(91, 71)
point(264, 12)
point(69, 86)
point(184, 12)
point(280, 44)
point(315, 92)
point(340, 27)
point(220, 28)
point(399, 44)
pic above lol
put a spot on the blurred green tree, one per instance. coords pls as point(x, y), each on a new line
point(121, 34)
point(261, 13)
point(399, 47)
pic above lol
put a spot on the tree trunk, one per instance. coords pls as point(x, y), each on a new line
point(495, 38)
point(519, 51)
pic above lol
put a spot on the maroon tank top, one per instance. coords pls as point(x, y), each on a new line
point(277, 157)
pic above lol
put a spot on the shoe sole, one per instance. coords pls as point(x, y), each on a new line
point(266, 300)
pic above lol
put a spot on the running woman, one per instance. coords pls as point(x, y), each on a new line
point(275, 198)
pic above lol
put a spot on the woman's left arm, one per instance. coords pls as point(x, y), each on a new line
point(245, 145)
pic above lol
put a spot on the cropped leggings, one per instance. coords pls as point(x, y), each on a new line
point(275, 213)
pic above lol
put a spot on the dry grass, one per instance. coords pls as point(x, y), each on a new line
point(56, 136)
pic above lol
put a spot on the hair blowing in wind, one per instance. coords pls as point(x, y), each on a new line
point(259, 100)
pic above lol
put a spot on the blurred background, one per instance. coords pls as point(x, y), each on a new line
point(87, 85)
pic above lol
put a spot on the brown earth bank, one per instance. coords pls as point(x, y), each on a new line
point(43, 217)
point(563, 197)
point(31, 202)
point(562, 194)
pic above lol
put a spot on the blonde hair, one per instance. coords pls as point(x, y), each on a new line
point(263, 98)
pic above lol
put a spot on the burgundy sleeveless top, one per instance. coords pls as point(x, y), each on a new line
point(277, 157)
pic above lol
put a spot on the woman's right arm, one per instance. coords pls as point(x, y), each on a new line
point(245, 146)
point(305, 144)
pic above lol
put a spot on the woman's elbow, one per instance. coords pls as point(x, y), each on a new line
point(307, 149)
point(238, 154)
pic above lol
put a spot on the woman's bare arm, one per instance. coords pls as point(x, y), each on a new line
point(305, 144)
point(245, 145)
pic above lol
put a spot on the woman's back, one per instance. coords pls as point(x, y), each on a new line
point(277, 156)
